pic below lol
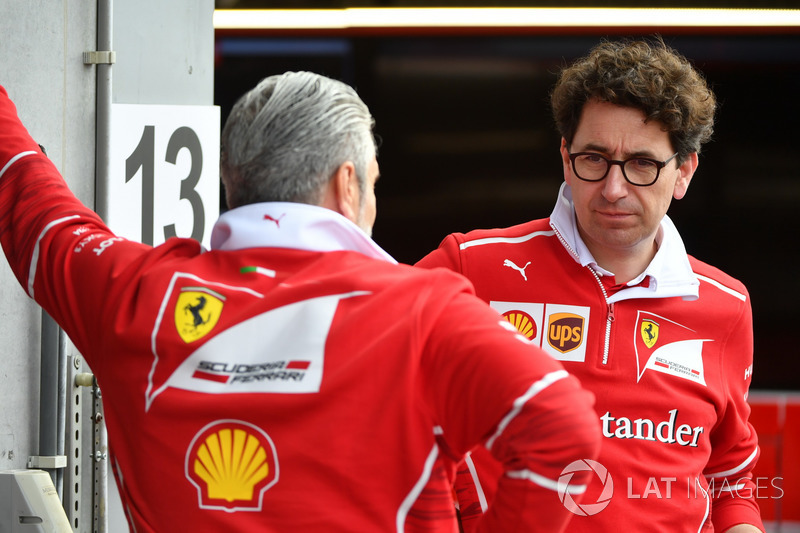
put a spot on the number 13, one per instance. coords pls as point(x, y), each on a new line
point(144, 157)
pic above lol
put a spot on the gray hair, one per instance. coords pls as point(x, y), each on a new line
point(285, 138)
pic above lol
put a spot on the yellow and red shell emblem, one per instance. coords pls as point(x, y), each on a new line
point(523, 322)
point(231, 463)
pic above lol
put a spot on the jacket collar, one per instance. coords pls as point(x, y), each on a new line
point(670, 272)
point(291, 225)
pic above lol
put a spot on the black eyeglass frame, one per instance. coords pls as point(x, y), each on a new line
point(659, 165)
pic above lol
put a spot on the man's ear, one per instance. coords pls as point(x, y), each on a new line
point(565, 163)
point(685, 173)
point(343, 193)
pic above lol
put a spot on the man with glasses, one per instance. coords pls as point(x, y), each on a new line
point(605, 285)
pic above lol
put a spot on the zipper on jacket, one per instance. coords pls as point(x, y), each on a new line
point(564, 243)
point(609, 320)
point(609, 316)
point(609, 306)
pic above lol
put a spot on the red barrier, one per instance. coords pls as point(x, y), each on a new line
point(776, 417)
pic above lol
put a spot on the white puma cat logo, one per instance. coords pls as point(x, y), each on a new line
point(510, 263)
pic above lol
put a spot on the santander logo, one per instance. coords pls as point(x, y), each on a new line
point(667, 431)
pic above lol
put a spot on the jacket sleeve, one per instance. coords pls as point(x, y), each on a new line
point(734, 440)
point(477, 475)
point(490, 385)
point(60, 251)
point(42, 225)
point(446, 255)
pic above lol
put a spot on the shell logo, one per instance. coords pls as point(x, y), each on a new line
point(523, 322)
point(231, 463)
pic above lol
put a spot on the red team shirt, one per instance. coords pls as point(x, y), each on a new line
point(294, 378)
point(668, 356)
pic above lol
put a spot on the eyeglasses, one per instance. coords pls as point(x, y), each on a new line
point(639, 171)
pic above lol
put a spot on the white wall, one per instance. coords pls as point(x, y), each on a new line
point(41, 47)
point(164, 55)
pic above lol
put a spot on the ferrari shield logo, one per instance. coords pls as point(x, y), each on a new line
point(649, 333)
point(197, 312)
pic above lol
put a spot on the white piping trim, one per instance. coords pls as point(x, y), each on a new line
point(546, 482)
point(735, 469)
point(534, 389)
point(505, 240)
point(402, 512)
point(735, 488)
point(477, 482)
point(707, 498)
point(14, 160)
point(36, 247)
point(117, 471)
point(722, 287)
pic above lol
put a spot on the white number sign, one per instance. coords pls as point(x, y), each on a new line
point(164, 172)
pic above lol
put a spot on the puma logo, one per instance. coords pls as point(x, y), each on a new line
point(277, 221)
point(510, 263)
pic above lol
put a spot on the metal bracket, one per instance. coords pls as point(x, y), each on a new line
point(47, 462)
point(101, 466)
point(97, 57)
point(77, 487)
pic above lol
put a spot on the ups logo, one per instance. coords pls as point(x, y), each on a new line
point(565, 331)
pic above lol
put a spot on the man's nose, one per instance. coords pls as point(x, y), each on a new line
point(615, 186)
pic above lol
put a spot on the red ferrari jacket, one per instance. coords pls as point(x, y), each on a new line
point(668, 356)
point(295, 378)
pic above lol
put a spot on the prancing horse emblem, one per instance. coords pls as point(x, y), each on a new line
point(510, 263)
point(649, 331)
point(197, 311)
